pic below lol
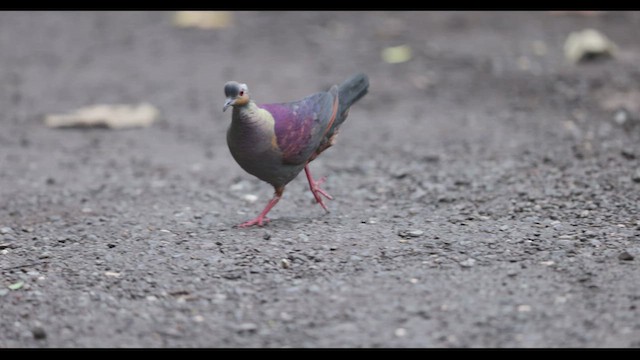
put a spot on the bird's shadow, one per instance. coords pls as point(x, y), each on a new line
point(284, 223)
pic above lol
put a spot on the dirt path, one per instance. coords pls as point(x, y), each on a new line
point(483, 196)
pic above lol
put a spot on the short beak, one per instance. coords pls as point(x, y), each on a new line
point(227, 103)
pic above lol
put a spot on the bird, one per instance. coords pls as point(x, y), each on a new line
point(275, 142)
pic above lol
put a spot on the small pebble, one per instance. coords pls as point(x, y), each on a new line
point(625, 256)
point(410, 233)
point(628, 154)
point(247, 327)
point(285, 263)
point(250, 198)
point(620, 117)
point(524, 308)
point(400, 332)
point(468, 263)
point(237, 186)
point(39, 333)
point(5, 230)
point(92, 237)
point(415, 233)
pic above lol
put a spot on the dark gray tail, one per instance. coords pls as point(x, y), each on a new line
point(351, 91)
point(348, 93)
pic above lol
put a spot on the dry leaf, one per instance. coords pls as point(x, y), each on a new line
point(396, 54)
point(203, 19)
point(586, 44)
point(111, 116)
point(16, 286)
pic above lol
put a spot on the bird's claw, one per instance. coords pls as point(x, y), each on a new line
point(317, 191)
point(260, 221)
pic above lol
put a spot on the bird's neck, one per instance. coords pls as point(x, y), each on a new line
point(251, 125)
point(245, 113)
point(251, 114)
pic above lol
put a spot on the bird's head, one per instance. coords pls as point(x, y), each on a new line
point(236, 93)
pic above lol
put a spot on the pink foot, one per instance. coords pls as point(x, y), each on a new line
point(260, 221)
point(316, 190)
point(262, 218)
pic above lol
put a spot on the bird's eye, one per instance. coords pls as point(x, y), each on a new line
point(241, 93)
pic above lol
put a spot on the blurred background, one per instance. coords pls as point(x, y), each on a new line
point(430, 71)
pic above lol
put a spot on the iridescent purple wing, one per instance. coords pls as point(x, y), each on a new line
point(301, 125)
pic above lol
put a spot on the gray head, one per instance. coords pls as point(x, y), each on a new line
point(236, 93)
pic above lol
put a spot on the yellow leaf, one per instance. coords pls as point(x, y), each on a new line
point(396, 54)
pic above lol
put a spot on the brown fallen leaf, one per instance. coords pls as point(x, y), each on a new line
point(203, 19)
point(587, 44)
point(110, 116)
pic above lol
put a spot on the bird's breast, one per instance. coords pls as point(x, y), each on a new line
point(253, 144)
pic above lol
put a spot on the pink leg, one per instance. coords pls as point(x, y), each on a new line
point(262, 219)
point(315, 188)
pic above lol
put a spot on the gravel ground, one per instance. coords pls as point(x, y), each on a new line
point(484, 195)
